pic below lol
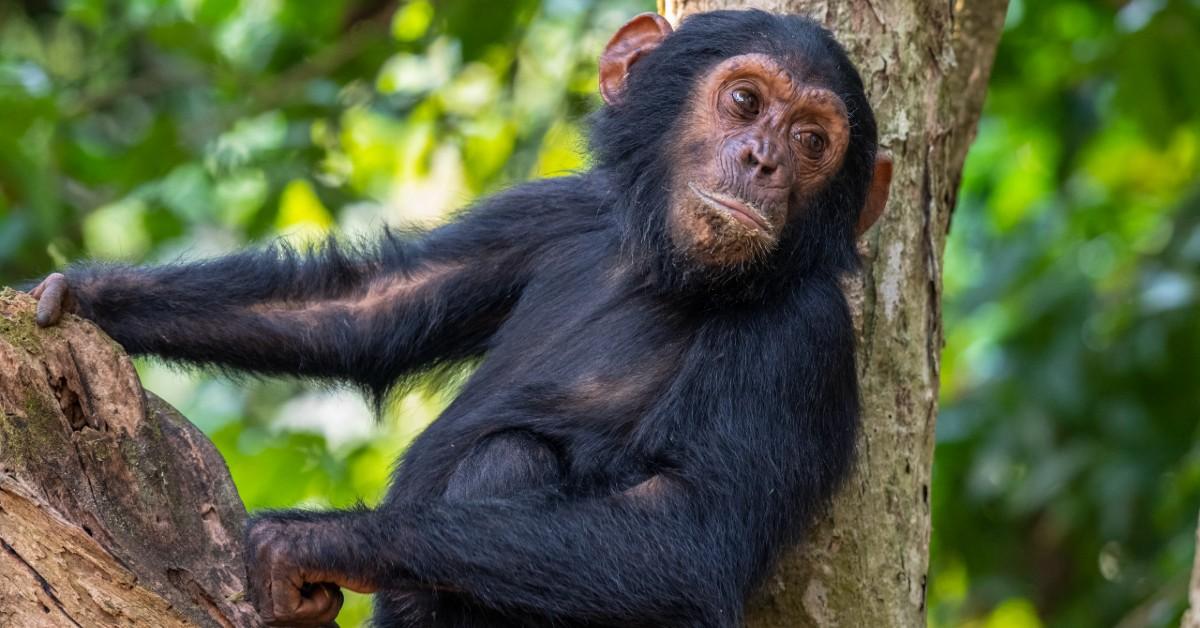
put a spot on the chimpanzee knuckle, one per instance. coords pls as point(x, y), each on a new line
point(339, 599)
point(321, 607)
point(262, 528)
point(265, 540)
point(260, 595)
point(268, 618)
point(261, 552)
point(284, 600)
point(51, 298)
point(259, 573)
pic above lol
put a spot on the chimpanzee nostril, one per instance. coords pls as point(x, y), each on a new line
point(748, 157)
point(759, 157)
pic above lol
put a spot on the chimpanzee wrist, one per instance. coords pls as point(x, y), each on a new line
point(86, 284)
point(332, 543)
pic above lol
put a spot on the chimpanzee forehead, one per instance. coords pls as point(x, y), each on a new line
point(784, 75)
point(810, 56)
point(810, 65)
point(798, 43)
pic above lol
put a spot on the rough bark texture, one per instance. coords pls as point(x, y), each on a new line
point(114, 510)
point(926, 64)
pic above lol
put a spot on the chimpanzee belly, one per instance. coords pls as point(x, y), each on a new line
point(552, 408)
point(502, 465)
point(499, 466)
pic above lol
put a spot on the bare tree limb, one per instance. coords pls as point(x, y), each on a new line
point(114, 510)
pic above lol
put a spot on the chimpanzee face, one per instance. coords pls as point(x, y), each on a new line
point(734, 146)
point(757, 144)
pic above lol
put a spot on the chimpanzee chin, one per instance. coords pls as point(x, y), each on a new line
point(657, 126)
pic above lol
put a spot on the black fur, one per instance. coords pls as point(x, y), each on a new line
point(603, 360)
point(628, 141)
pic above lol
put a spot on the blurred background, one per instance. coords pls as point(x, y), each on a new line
point(1067, 475)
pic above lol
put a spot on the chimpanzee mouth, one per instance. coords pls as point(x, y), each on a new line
point(741, 211)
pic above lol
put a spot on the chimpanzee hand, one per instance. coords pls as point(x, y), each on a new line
point(284, 592)
point(54, 299)
point(286, 585)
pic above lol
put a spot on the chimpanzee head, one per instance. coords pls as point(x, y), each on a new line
point(742, 148)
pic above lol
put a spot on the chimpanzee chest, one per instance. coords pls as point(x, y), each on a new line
point(581, 361)
point(593, 349)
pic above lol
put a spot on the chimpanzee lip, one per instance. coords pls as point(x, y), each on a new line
point(742, 211)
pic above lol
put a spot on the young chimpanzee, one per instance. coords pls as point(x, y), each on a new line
point(665, 391)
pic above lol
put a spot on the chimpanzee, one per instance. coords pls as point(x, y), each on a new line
point(665, 387)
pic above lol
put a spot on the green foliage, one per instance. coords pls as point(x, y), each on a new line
point(1067, 472)
point(1067, 475)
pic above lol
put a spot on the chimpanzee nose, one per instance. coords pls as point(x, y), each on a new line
point(761, 156)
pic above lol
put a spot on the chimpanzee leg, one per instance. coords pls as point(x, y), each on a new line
point(500, 466)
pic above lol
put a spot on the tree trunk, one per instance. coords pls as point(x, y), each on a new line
point(926, 65)
point(114, 510)
point(1191, 619)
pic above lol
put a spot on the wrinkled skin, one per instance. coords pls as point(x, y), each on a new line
point(757, 143)
point(54, 299)
point(287, 593)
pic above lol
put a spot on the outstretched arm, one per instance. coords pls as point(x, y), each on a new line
point(629, 560)
point(366, 317)
point(364, 314)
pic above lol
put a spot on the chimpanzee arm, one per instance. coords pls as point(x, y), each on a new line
point(757, 447)
point(323, 314)
point(367, 314)
point(621, 560)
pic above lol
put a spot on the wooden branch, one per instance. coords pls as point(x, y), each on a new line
point(114, 510)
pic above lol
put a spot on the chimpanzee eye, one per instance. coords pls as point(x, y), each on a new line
point(746, 101)
point(812, 142)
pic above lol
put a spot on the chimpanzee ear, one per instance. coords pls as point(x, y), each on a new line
point(877, 195)
point(638, 36)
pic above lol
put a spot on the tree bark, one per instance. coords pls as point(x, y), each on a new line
point(926, 65)
point(114, 510)
point(1191, 619)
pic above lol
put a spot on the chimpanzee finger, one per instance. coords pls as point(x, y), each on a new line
point(314, 605)
point(51, 294)
point(260, 596)
point(259, 577)
point(320, 603)
point(285, 594)
point(259, 591)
